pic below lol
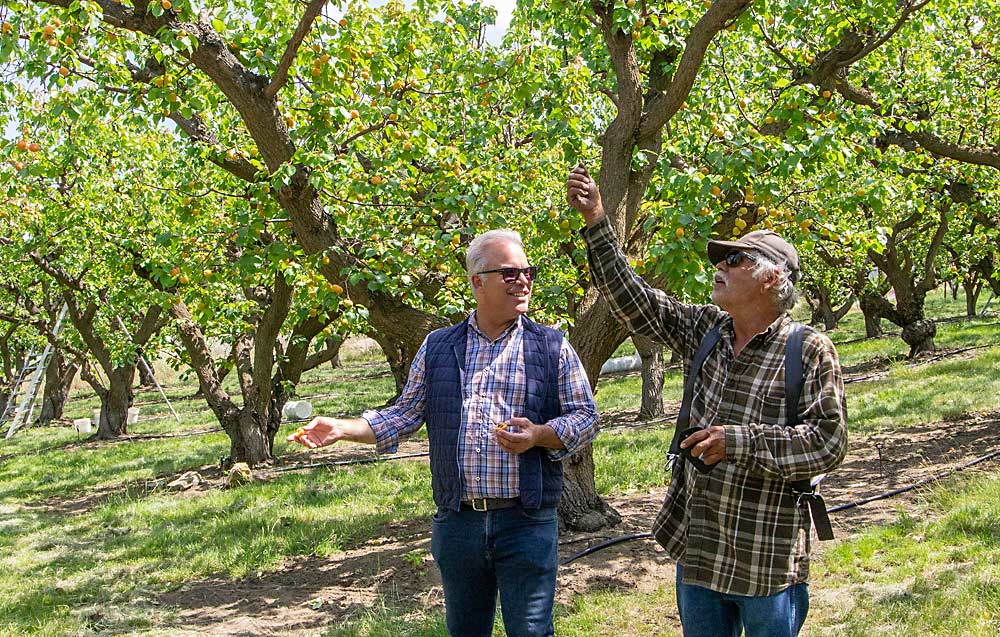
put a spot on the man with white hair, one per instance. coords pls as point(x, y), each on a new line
point(739, 507)
point(505, 401)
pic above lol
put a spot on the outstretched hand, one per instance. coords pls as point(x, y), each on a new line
point(583, 195)
point(319, 432)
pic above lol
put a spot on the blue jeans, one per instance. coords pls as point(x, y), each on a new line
point(512, 551)
point(706, 613)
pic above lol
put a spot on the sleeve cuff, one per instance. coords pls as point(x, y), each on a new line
point(739, 444)
point(598, 233)
point(386, 440)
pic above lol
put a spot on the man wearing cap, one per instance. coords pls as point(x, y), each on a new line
point(505, 401)
point(738, 529)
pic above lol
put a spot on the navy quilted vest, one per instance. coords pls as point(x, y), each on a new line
point(540, 478)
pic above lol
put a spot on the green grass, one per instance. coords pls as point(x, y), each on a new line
point(943, 390)
point(933, 572)
point(157, 540)
point(620, 393)
point(87, 543)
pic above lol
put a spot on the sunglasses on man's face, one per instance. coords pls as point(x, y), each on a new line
point(733, 259)
point(510, 275)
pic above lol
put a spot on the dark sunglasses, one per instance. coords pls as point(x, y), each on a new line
point(733, 259)
point(510, 275)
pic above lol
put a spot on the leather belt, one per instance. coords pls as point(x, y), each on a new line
point(489, 504)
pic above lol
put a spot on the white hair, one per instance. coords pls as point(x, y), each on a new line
point(475, 256)
point(785, 294)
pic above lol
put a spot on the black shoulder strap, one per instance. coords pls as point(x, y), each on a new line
point(684, 416)
point(794, 379)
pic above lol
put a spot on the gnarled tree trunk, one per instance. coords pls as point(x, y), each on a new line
point(59, 375)
point(871, 310)
point(146, 374)
point(911, 281)
point(595, 337)
point(919, 335)
point(116, 397)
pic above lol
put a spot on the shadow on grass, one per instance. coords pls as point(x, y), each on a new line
point(318, 592)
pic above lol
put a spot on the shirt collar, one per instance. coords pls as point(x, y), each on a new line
point(772, 329)
point(516, 325)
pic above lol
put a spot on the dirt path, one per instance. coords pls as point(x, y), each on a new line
point(396, 570)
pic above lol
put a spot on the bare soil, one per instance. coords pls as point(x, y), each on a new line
point(395, 570)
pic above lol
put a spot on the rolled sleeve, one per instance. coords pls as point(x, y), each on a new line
point(578, 424)
point(395, 424)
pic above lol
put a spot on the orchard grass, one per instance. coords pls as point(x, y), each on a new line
point(89, 537)
point(935, 571)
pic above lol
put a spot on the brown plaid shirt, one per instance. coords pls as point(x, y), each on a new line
point(740, 529)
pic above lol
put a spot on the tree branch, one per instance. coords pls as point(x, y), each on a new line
point(291, 50)
point(664, 104)
point(908, 10)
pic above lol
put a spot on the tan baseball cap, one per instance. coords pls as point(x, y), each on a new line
point(770, 244)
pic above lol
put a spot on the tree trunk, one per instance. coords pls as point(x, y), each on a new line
point(595, 337)
point(873, 317)
point(652, 377)
point(115, 403)
point(972, 290)
point(59, 375)
point(580, 508)
point(251, 436)
point(397, 355)
point(919, 335)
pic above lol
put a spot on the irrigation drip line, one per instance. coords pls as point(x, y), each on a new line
point(915, 485)
point(341, 463)
point(842, 507)
point(605, 544)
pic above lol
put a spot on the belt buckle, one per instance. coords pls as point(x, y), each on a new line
point(476, 501)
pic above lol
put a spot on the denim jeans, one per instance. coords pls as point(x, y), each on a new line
point(513, 552)
point(707, 613)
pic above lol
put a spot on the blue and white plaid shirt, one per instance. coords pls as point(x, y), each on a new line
point(493, 392)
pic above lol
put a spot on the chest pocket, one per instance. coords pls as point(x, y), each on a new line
point(770, 400)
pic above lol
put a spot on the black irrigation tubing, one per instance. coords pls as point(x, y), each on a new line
point(605, 544)
point(342, 463)
point(842, 507)
point(915, 485)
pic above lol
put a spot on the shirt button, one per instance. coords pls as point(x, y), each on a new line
point(479, 479)
point(477, 450)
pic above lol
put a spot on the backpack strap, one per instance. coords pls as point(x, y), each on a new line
point(794, 379)
point(684, 416)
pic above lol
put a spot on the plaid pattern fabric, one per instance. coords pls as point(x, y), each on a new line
point(493, 392)
point(739, 529)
